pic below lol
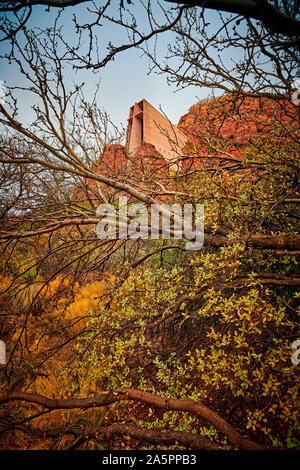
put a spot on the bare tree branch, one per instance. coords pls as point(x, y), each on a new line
point(262, 10)
point(167, 404)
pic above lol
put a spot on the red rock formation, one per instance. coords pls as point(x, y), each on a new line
point(212, 126)
point(229, 124)
point(237, 119)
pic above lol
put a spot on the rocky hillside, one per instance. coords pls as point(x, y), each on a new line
point(216, 126)
point(237, 120)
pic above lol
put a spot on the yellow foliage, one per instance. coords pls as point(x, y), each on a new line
point(27, 295)
point(57, 383)
point(87, 300)
point(33, 342)
point(38, 291)
point(5, 282)
point(54, 383)
point(59, 282)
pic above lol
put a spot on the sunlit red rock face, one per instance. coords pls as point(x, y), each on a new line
point(112, 164)
point(230, 124)
point(115, 163)
point(146, 166)
point(236, 120)
point(221, 122)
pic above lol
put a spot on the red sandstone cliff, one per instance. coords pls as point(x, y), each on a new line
point(213, 126)
point(236, 119)
point(228, 125)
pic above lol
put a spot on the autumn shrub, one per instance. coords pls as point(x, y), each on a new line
point(87, 300)
point(215, 326)
point(5, 282)
point(232, 350)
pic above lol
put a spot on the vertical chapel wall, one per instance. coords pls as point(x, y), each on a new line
point(147, 125)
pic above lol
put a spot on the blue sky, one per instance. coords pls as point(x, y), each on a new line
point(124, 80)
